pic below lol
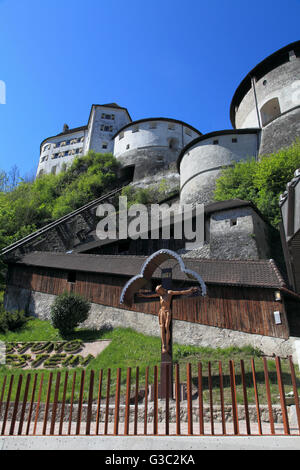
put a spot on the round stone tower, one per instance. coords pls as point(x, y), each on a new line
point(202, 160)
point(269, 98)
point(265, 114)
point(148, 147)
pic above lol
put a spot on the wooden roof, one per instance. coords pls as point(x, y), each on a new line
point(253, 273)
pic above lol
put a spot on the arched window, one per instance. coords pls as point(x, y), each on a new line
point(269, 111)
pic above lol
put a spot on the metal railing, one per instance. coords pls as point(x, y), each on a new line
point(215, 398)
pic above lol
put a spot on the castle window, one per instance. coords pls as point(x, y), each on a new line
point(234, 140)
point(104, 145)
point(107, 116)
point(215, 142)
point(62, 144)
point(127, 146)
point(233, 222)
point(269, 111)
point(106, 128)
point(123, 246)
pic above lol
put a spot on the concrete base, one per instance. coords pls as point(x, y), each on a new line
point(149, 443)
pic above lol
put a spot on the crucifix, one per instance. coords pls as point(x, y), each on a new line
point(165, 295)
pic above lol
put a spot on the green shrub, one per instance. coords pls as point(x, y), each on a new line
point(260, 181)
point(11, 321)
point(68, 311)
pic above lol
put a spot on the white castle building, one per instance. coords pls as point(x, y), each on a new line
point(264, 112)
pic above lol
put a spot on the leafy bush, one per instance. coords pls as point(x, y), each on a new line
point(68, 311)
point(11, 321)
point(150, 195)
point(261, 181)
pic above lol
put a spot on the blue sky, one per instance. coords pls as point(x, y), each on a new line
point(160, 58)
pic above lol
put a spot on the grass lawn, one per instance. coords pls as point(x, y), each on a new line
point(131, 349)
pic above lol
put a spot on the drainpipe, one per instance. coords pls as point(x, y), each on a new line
point(257, 110)
point(255, 99)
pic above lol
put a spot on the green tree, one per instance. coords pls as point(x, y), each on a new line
point(26, 206)
point(260, 181)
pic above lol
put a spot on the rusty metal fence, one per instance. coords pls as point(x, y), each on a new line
point(207, 402)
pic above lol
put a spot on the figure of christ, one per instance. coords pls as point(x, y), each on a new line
point(165, 314)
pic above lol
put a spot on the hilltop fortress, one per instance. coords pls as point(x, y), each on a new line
point(264, 113)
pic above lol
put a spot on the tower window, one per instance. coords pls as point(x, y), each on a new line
point(233, 222)
point(107, 116)
point(106, 128)
point(234, 140)
point(269, 111)
point(104, 145)
point(215, 142)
